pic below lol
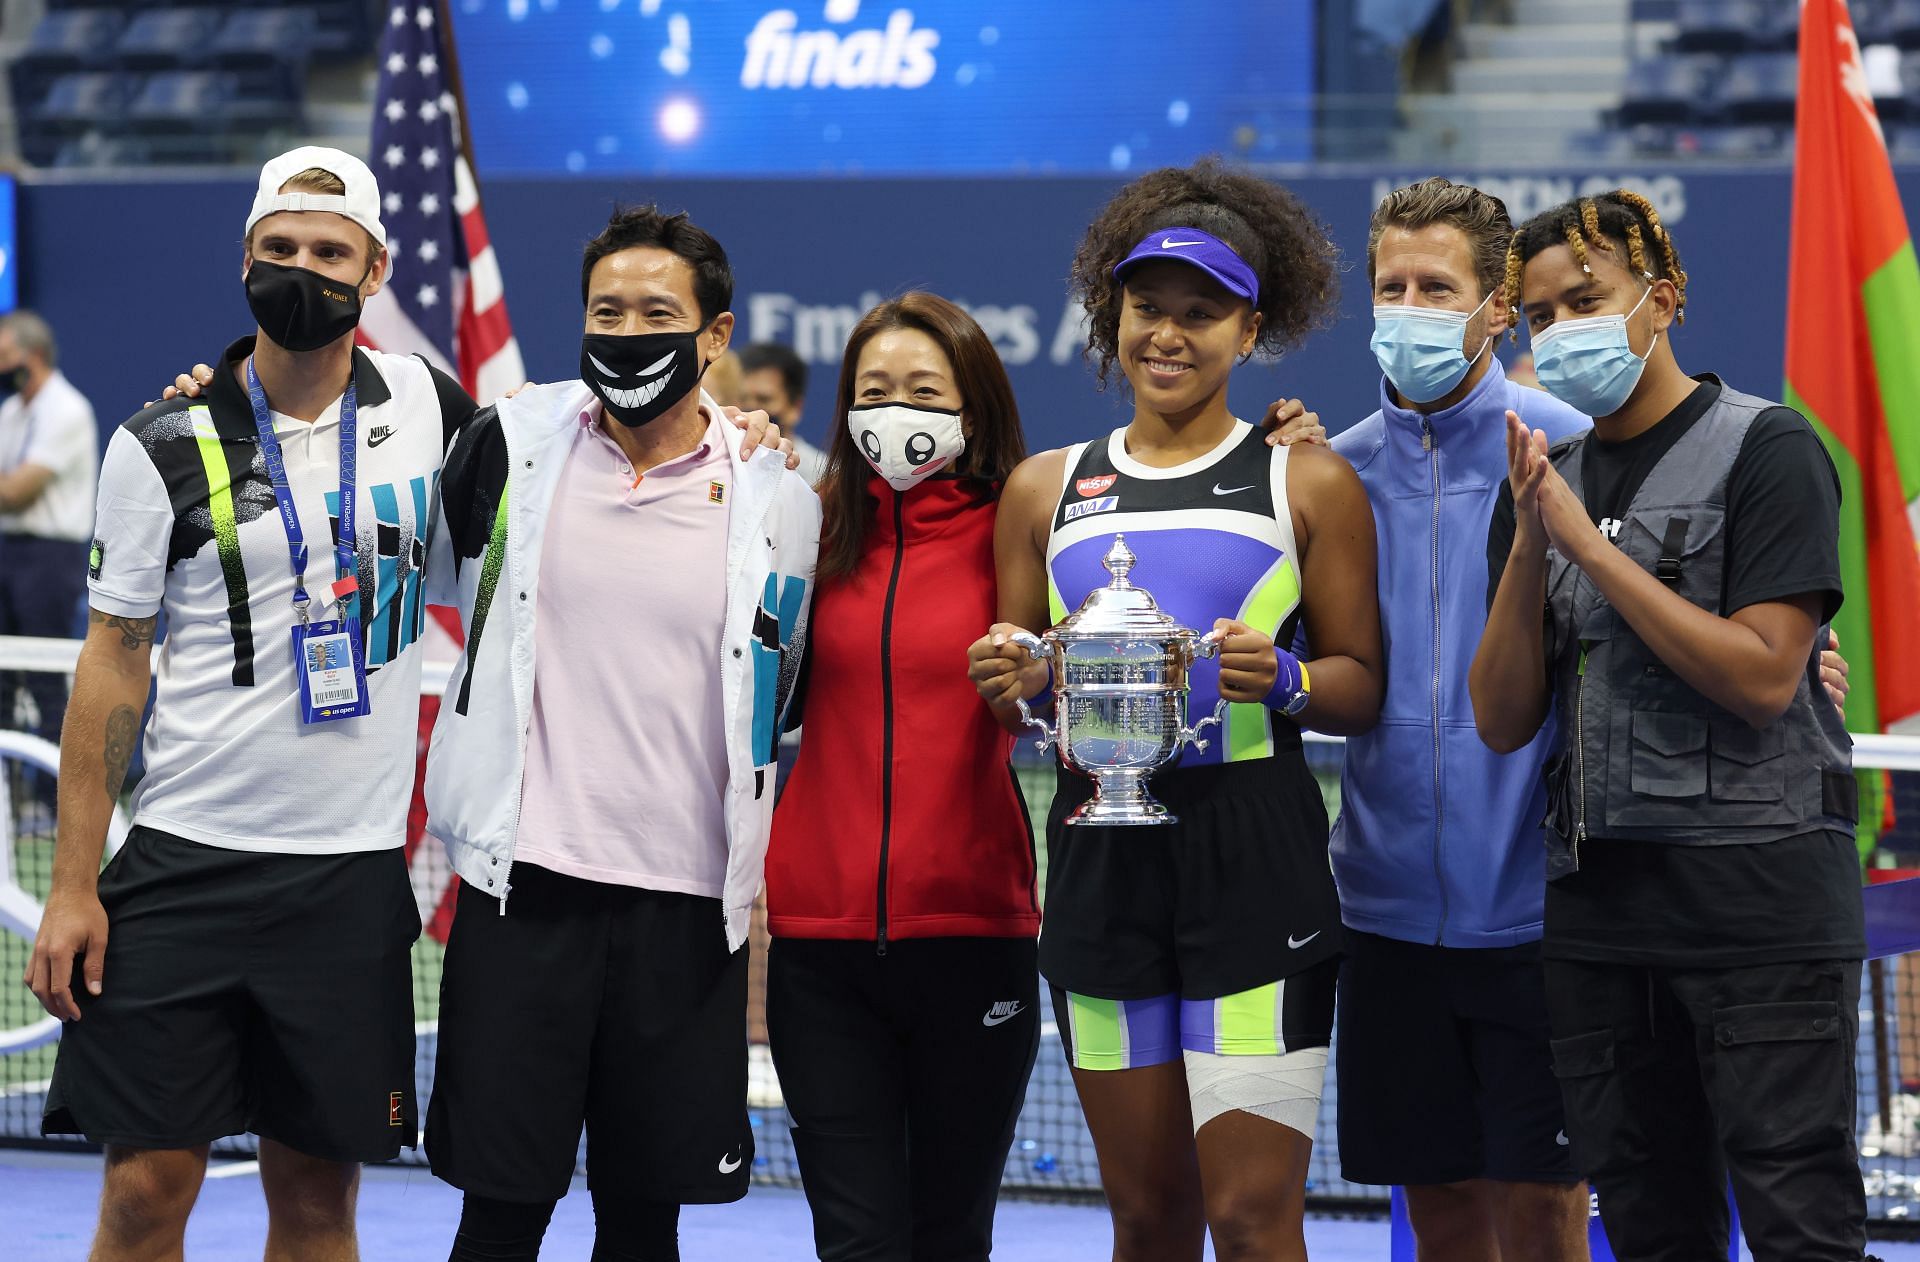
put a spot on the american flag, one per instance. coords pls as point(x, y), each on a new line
point(444, 301)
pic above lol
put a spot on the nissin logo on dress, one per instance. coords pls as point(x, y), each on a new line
point(780, 55)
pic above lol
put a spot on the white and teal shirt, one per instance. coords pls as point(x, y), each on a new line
point(186, 526)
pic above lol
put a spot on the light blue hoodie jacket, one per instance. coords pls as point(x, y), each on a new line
point(1438, 839)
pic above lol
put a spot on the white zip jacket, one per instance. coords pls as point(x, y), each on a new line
point(494, 497)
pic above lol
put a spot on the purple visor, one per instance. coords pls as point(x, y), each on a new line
point(1198, 249)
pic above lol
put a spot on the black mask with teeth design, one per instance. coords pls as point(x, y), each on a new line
point(638, 376)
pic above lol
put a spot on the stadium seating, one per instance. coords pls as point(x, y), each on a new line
point(1759, 88)
point(1724, 82)
point(1668, 89)
point(179, 100)
point(1897, 23)
point(166, 39)
point(214, 80)
point(267, 50)
point(1733, 25)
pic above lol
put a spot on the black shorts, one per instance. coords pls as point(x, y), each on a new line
point(1236, 894)
point(1445, 1068)
point(615, 1008)
point(244, 991)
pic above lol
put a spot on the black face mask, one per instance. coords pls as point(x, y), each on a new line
point(639, 376)
point(301, 310)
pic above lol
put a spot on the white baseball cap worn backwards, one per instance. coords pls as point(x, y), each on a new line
point(361, 203)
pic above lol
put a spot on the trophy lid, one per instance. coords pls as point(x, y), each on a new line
point(1120, 609)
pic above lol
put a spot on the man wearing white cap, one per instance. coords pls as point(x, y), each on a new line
point(242, 964)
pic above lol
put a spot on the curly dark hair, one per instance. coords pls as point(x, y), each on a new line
point(1281, 240)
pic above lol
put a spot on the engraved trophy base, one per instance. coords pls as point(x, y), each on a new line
point(1120, 800)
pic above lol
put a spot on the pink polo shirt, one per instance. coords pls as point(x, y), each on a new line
point(626, 769)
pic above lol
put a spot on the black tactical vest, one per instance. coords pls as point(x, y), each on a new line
point(1645, 757)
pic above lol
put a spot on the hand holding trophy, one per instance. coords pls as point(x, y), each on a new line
point(1120, 686)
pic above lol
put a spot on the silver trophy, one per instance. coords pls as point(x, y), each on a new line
point(1120, 691)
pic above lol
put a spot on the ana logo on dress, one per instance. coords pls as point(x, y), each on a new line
point(1105, 503)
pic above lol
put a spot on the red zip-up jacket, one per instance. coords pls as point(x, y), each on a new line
point(902, 818)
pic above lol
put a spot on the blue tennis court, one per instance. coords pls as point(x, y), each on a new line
point(47, 1201)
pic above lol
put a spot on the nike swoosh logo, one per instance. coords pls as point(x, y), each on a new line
point(1168, 243)
point(1230, 490)
point(1561, 1139)
point(379, 436)
point(991, 1020)
point(729, 1164)
point(1294, 944)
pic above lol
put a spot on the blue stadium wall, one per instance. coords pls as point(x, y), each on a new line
point(141, 279)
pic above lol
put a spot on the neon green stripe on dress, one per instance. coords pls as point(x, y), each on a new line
point(1268, 606)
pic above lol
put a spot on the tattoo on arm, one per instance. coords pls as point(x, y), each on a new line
point(134, 632)
point(123, 728)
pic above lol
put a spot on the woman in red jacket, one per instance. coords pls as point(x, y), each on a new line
point(902, 987)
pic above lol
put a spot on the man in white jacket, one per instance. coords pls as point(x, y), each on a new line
point(604, 785)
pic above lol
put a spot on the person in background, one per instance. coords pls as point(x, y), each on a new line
point(49, 459)
point(774, 381)
point(722, 382)
point(904, 988)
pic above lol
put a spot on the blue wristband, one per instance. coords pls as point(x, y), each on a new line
point(1289, 692)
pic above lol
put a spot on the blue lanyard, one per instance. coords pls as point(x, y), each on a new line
point(346, 564)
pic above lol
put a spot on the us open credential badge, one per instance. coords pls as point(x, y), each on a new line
point(333, 684)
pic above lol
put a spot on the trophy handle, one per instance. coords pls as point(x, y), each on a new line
point(1047, 736)
point(1215, 719)
point(1206, 646)
point(1036, 649)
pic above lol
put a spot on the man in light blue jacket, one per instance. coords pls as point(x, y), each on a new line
point(1446, 1084)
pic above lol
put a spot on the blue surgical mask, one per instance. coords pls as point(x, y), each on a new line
point(1419, 348)
point(1588, 364)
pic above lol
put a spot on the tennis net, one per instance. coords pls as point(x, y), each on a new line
point(1052, 1154)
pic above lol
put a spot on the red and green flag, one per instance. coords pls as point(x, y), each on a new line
point(1853, 359)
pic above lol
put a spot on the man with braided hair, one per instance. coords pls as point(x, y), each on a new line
point(1661, 583)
